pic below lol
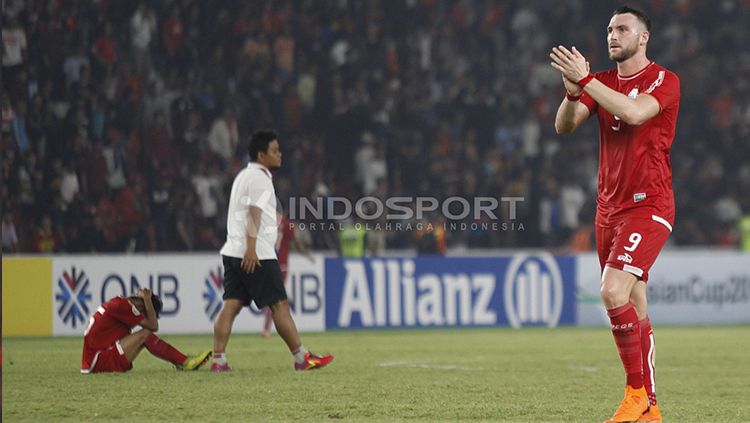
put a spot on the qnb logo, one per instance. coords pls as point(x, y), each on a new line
point(212, 294)
point(73, 296)
point(533, 291)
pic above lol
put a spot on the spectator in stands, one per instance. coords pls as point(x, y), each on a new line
point(105, 48)
point(223, 137)
point(69, 186)
point(10, 238)
point(15, 46)
point(46, 238)
point(142, 29)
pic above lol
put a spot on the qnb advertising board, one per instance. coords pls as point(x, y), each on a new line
point(329, 293)
point(57, 295)
point(189, 286)
point(520, 290)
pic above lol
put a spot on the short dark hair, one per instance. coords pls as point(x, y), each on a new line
point(259, 142)
point(155, 301)
point(158, 305)
point(640, 14)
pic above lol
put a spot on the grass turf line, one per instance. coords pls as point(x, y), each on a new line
point(530, 375)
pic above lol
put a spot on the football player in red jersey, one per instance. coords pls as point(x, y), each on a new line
point(109, 345)
point(636, 104)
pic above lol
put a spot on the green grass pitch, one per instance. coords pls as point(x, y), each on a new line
point(499, 375)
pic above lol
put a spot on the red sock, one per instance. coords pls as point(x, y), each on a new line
point(163, 350)
point(627, 332)
point(648, 350)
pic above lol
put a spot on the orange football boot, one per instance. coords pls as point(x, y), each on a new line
point(632, 406)
point(653, 415)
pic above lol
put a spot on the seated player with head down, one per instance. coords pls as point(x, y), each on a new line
point(110, 345)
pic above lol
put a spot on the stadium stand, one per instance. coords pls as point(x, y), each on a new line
point(123, 123)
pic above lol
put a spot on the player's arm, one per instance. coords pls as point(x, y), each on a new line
point(250, 261)
point(574, 67)
point(631, 111)
point(570, 115)
point(149, 322)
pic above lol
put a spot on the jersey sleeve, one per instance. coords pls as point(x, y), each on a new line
point(258, 190)
point(122, 310)
point(665, 89)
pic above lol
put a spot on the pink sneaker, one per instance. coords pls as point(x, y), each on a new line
point(218, 368)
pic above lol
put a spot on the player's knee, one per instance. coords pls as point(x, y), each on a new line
point(231, 308)
point(613, 294)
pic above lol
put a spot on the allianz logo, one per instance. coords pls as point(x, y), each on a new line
point(395, 294)
point(398, 298)
point(533, 291)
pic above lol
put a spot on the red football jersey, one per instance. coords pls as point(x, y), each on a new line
point(112, 321)
point(635, 174)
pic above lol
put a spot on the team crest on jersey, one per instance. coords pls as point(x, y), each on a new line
point(213, 293)
point(73, 297)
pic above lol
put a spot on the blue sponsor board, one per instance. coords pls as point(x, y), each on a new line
point(519, 290)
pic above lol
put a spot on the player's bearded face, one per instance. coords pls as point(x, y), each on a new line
point(624, 34)
point(624, 51)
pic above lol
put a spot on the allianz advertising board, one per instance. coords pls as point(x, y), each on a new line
point(519, 290)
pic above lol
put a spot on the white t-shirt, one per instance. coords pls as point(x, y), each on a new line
point(252, 187)
point(14, 41)
point(206, 188)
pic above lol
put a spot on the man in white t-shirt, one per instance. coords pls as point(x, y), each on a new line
point(14, 44)
point(14, 50)
point(251, 269)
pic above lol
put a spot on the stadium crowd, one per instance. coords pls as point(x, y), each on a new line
point(123, 123)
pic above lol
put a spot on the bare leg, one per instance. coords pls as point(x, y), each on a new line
point(285, 326)
point(267, 320)
point(616, 287)
point(133, 343)
point(638, 298)
point(223, 324)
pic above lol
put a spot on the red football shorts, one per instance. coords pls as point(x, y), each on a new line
point(632, 245)
point(112, 360)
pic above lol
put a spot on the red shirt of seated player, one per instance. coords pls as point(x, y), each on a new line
point(111, 345)
point(112, 321)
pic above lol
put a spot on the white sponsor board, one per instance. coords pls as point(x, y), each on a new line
point(189, 286)
point(692, 287)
